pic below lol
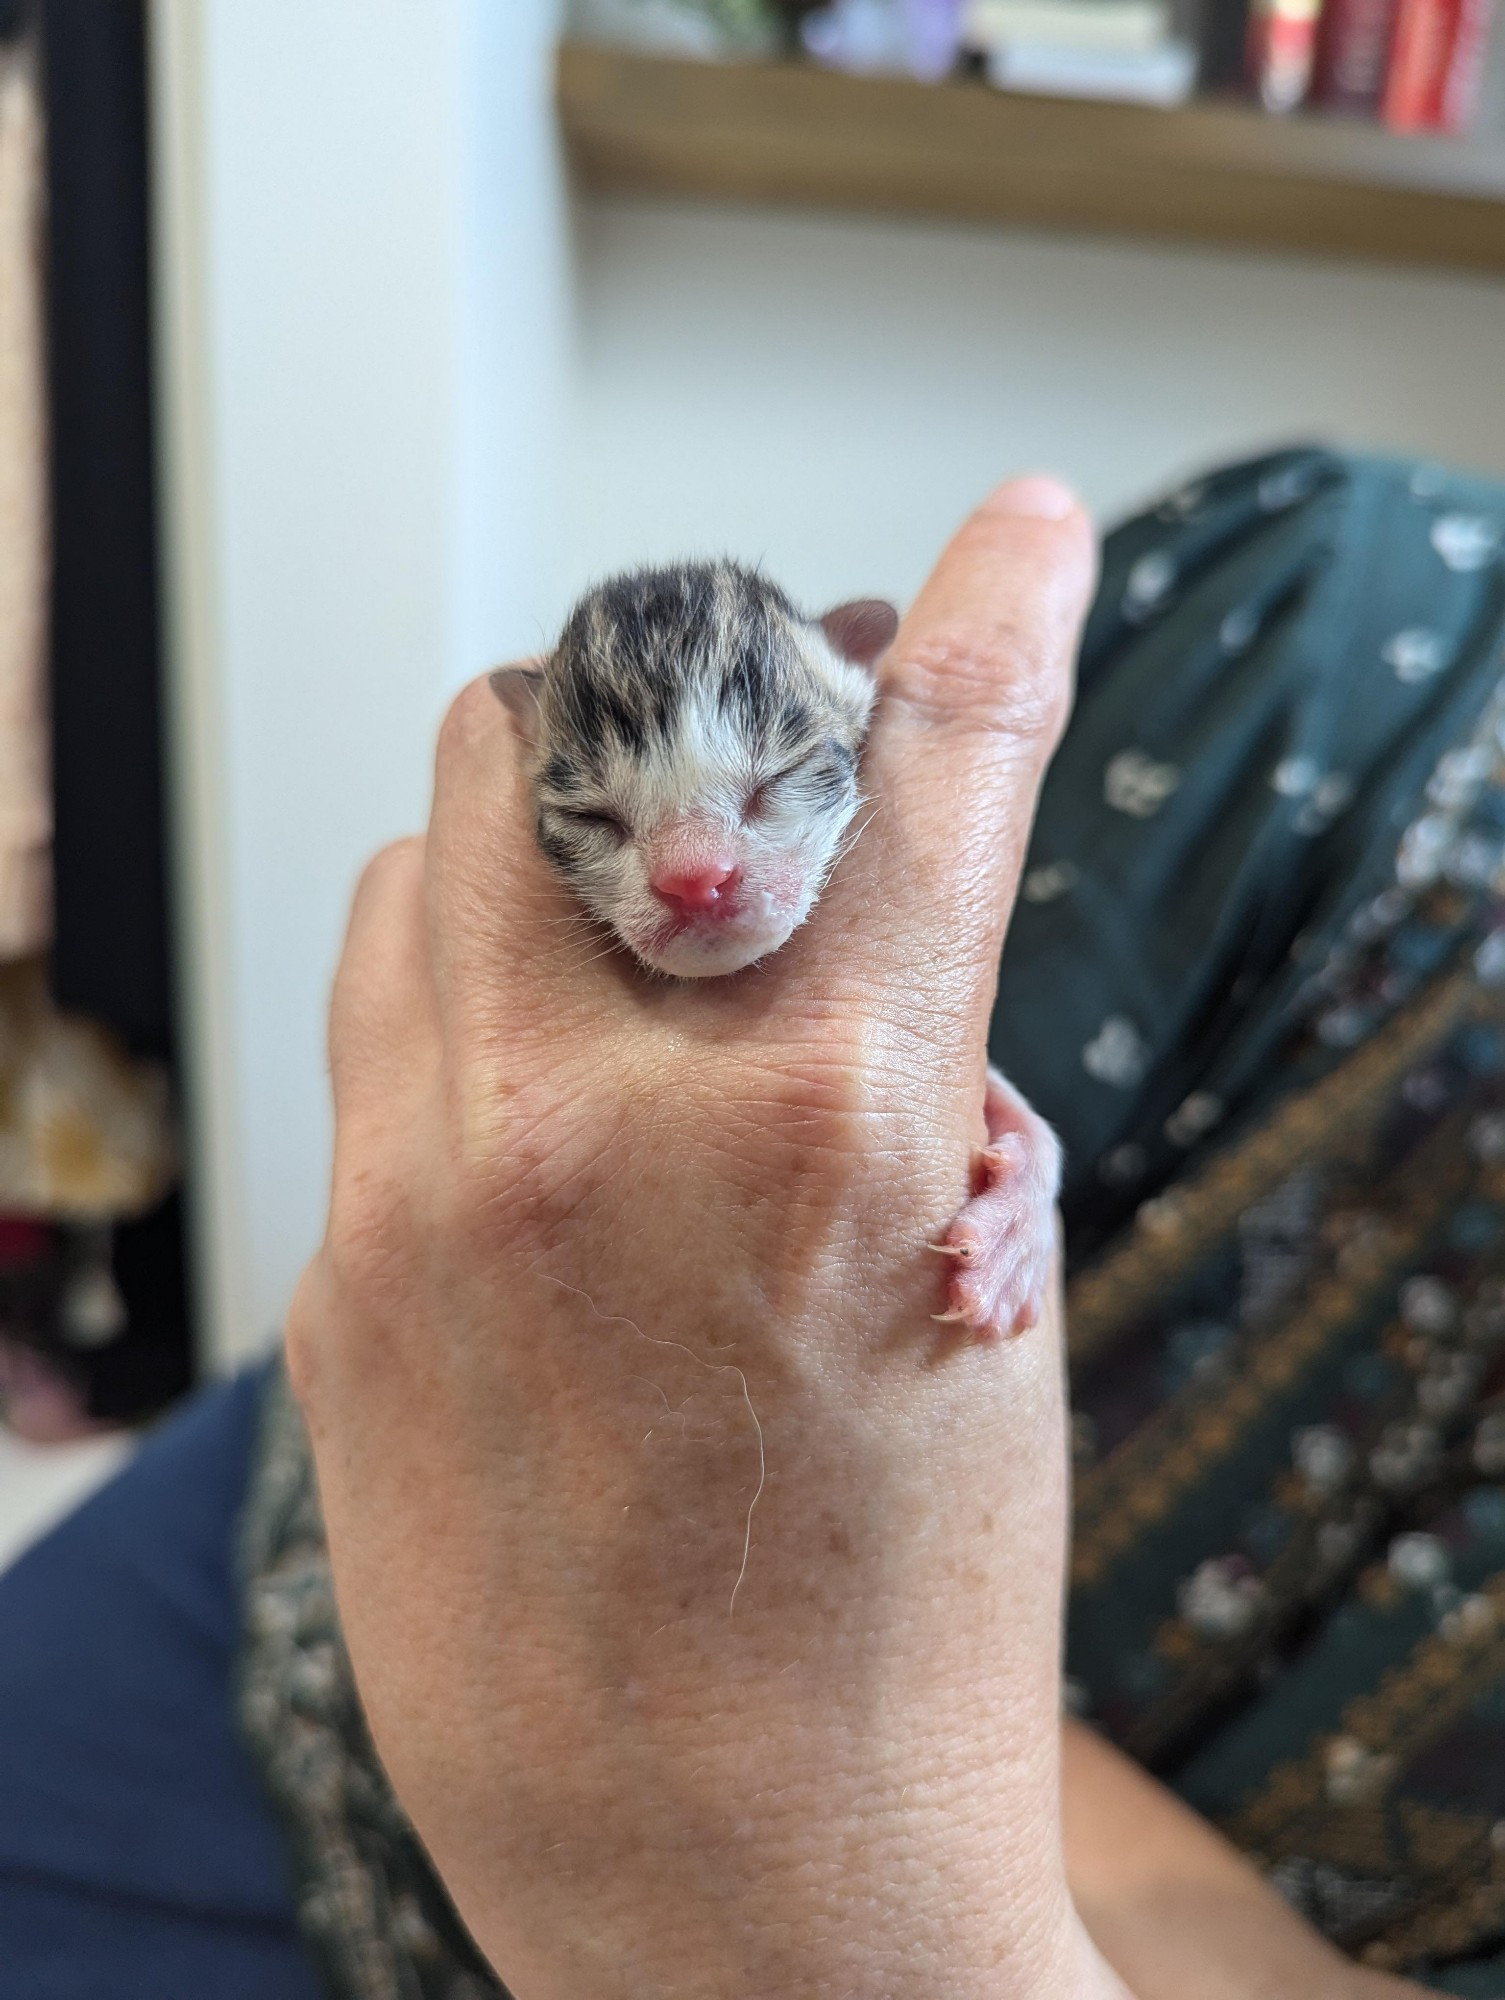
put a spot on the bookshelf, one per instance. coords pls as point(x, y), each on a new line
point(1208, 172)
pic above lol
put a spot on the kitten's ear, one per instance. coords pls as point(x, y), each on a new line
point(517, 689)
point(861, 631)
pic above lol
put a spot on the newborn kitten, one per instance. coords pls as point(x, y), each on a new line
point(695, 744)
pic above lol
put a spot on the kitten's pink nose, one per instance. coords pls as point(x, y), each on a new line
point(694, 891)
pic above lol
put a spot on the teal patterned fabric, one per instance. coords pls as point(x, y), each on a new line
point(1257, 981)
point(370, 1904)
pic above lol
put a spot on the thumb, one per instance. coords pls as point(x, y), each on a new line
point(974, 695)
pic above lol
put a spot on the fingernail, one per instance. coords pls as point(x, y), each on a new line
point(1042, 498)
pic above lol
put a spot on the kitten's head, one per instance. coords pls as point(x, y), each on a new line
point(695, 749)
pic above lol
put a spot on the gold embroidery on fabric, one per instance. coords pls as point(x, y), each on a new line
point(1453, 1859)
point(1104, 1300)
point(1139, 1484)
point(1414, 1704)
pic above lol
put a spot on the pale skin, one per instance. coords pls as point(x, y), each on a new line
point(1177, 1912)
point(703, 1593)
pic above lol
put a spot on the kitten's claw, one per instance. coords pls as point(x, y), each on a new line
point(1004, 1239)
point(949, 1249)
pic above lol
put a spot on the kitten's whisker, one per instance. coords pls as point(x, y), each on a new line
point(853, 834)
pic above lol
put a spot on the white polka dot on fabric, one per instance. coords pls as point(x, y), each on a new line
point(1192, 1117)
point(1417, 1560)
point(1221, 1598)
point(1285, 488)
point(1466, 541)
point(1334, 792)
point(1323, 1455)
point(1415, 654)
point(1489, 960)
point(1427, 1305)
point(1423, 847)
point(1238, 629)
point(1123, 1165)
point(1184, 503)
point(1427, 481)
point(1331, 795)
point(1476, 862)
point(1323, 794)
point(1342, 1027)
point(1052, 879)
point(1135, 784)
point(1472, 1618)
point(1355, 1775)
point(1118, 1054)
point(1455, 783)
point(1294, 777)
point(1486, 1138)
point(1076, 1697)
point(1148, 584)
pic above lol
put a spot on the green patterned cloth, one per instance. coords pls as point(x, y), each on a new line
point(1257, 982)
point(372, 1908)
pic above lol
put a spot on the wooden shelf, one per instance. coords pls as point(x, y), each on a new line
point(784, 132)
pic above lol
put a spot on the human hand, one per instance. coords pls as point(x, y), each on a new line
point(703, 1596)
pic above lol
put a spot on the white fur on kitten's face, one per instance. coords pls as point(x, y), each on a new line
point(696, 746)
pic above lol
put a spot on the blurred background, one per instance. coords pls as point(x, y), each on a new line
point(342, 342)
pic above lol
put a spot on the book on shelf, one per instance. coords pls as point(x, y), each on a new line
point(1463, 74)
point(1436, 66)
point(1283, 51)
point(1222, 31)
point(1353, 53)
point(1093, 24)
point(1412, 100)
point(1164, 74)
point(1121, 49)
point(1415, 65)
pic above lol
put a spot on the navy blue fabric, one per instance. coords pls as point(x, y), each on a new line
point(137, 1853)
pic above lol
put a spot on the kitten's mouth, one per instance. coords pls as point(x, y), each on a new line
point(710, 945)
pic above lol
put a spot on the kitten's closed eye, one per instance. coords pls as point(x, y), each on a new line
point(761, 798)
point(825, 779)
point(598, 822)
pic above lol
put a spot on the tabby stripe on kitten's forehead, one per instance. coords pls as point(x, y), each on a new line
point(637, 646)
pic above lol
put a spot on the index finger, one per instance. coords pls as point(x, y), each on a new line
point(507, 937)
point(974, 694)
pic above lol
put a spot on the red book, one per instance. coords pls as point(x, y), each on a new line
point(1353, 51)
point(1424, 32)
point(1464, 70)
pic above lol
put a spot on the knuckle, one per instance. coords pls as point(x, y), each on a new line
point(470, 716)
point(1003, 678)
point(348, 1031)
point(387, 866)
point(301, 1333)
point(368, 1242)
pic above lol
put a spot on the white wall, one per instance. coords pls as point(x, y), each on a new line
point(383, 374)
point(361, 213)
point(830, 394)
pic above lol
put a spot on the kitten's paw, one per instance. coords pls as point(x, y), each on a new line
point(1002, 1245)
